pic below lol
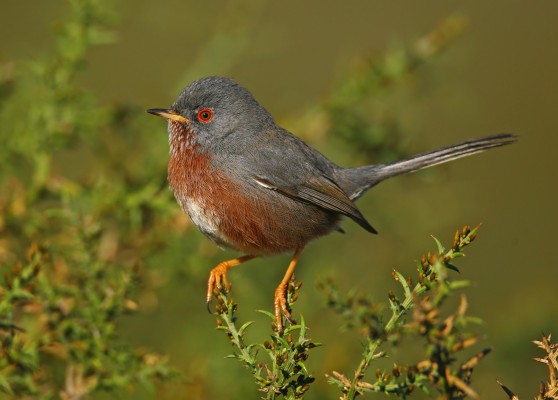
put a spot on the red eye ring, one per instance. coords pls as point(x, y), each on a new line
point(205, 115)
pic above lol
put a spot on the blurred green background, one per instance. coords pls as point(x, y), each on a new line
point(499, 76)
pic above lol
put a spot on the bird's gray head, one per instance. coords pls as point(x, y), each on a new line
point(213, 111)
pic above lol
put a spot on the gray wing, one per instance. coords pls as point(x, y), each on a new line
point(283, 163)
point(322, 192)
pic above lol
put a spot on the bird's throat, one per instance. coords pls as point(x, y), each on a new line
point(182, 139)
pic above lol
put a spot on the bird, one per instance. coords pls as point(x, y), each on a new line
point(250, 185)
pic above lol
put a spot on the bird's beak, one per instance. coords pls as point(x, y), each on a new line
point(168, 113)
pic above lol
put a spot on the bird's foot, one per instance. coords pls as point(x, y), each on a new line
point(282, 306)
point(217, 281)
point(218, 277)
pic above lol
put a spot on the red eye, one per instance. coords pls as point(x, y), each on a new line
point(205, 115)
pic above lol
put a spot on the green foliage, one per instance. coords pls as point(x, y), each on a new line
point(46, 109)
point(285, 375)
point(282, 373)
point(445, 337)
point(71, 241)
point(55, 317)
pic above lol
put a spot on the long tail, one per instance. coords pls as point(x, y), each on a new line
point(355, 181)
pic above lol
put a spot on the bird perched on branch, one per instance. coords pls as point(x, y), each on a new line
point(252, 186)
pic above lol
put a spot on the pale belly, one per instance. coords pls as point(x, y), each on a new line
point(206, 221)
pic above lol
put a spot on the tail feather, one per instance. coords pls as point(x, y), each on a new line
point(355, 181)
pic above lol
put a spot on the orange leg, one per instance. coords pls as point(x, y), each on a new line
point(280, 299)
point(218, 275)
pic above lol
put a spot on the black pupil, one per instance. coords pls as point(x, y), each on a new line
point(205, 115)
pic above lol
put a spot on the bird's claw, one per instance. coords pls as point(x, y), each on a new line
point(217, 282)
point(281, 306)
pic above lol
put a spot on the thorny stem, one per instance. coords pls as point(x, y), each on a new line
point(284, 375)
point(234, 334)
point(438, 266)
point(548, 390)
point(370, 351)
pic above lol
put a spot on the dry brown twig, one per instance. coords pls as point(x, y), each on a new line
point(548, 390)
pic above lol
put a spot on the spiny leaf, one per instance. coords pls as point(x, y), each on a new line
point(403, 282)
point(441, 249)
point(268, 314)
point(243, 327)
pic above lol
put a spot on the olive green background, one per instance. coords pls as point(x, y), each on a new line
point(500, 76)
